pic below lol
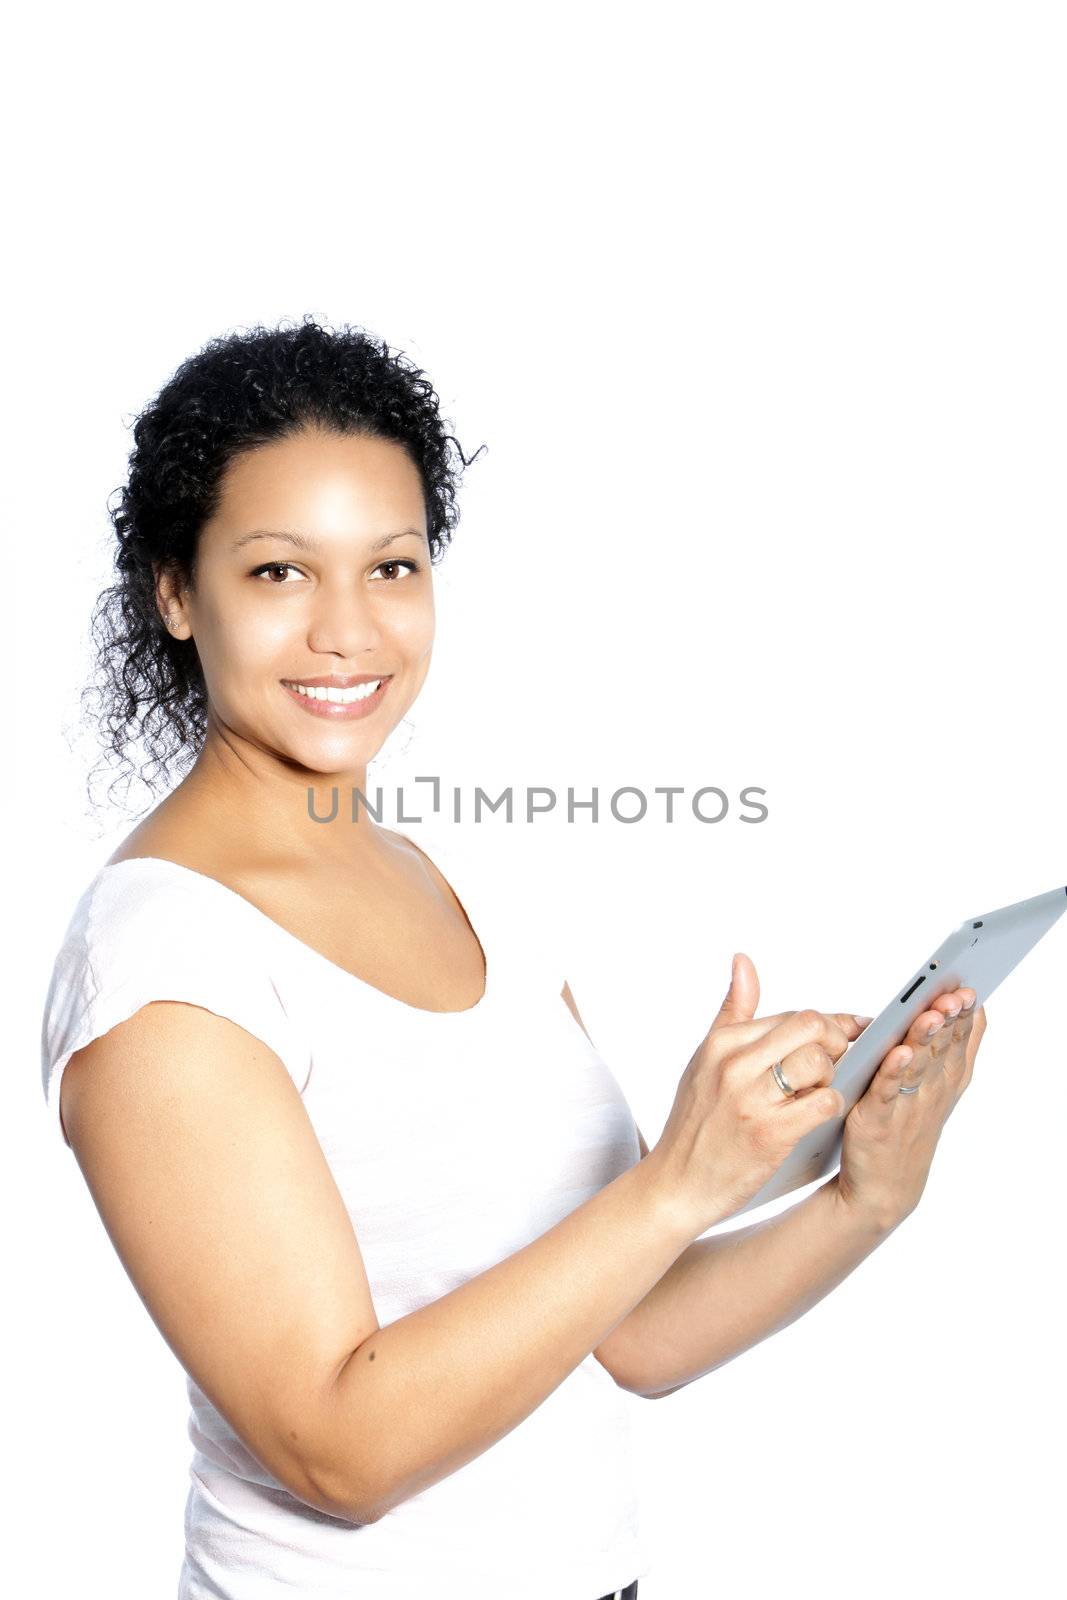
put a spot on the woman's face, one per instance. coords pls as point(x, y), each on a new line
point(314, 570)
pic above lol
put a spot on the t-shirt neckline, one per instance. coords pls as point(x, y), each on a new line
point(489, 982)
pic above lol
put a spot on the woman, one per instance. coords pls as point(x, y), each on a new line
point(375, 1185)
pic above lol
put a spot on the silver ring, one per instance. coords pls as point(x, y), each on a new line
point(780, 1080)
point(913, 1090)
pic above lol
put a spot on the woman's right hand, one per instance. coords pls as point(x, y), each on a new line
point(731, 1126)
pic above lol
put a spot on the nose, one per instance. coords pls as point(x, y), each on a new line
point(343, 624)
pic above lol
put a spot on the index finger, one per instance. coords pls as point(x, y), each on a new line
point(811, 1030)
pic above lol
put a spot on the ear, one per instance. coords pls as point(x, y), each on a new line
point(169, 602)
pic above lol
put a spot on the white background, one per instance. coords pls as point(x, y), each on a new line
point(760, 311)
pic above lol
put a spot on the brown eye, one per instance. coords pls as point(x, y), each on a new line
point(410, 566)
point(274, 566)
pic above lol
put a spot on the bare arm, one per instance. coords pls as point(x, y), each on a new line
point(726, 1294)
point(215, 1191)
point(439, 1386)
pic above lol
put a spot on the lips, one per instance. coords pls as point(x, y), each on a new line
point(336, 710)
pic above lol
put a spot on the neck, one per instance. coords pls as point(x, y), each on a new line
point(270, 805)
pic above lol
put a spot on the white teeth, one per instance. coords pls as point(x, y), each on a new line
point(344, 697)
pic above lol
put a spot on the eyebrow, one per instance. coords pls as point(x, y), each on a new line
point(304, 541)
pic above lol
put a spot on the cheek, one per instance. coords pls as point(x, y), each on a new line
point(241, 645)
point(412, 630)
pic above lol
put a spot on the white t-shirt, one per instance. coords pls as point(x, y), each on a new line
point(455, 1138)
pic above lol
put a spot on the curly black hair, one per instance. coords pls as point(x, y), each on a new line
point(240, 391)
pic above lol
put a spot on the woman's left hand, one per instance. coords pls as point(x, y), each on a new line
point(889, 1137)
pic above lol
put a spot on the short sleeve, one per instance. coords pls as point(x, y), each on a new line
point(147, 929)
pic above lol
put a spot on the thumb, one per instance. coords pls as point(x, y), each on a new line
point(742, 997)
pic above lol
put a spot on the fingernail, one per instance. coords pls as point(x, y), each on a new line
point(863, 1021)
point(932, 1029)
point(970, 1004)
point(951, 1014)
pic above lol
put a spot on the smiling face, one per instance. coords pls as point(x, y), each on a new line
point(315, 571)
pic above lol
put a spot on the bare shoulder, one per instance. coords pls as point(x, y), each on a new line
point(196, 842)
point(171, 832)
point(143, 841)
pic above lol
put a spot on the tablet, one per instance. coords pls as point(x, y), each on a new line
point(977, 955)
